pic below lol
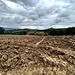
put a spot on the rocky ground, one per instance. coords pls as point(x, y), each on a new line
point(37, 55)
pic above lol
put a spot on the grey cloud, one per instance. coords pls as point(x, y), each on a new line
point(38, 13)
point(27, 2)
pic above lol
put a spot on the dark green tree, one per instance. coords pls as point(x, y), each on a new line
point(1, 30)
point(70, 31)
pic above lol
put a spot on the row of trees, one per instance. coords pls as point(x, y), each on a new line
point(65, 31)
point(16, 32)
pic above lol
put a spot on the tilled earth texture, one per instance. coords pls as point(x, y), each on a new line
point(37, 55)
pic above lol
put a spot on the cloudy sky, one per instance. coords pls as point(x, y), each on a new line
point(37, 14)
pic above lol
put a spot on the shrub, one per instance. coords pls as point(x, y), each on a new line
point(32, 33)
point(19, 32)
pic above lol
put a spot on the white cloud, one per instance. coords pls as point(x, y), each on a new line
point(38, 14)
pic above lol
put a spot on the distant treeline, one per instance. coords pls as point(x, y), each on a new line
point(63, 31)
point(51, 31)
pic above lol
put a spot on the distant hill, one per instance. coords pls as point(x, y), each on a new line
point(50, 31)
point(10, 28)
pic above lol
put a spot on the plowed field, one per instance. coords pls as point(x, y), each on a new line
point(37, 55)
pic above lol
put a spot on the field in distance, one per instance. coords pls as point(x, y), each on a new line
point(37, 55)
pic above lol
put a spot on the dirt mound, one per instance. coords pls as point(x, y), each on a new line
point(37, 55)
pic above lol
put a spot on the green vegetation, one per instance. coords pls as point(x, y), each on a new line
point(39, 33)
point(70, 31)
point(1, 30)
point(16, 32)
point(46, 32)
point(64, 31)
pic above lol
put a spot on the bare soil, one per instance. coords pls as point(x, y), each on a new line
point(37, 55)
